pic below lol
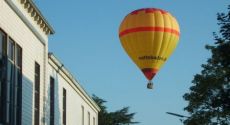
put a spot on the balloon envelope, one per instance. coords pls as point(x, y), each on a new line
point(149, 36)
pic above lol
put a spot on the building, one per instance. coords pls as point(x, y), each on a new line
point(35, 87)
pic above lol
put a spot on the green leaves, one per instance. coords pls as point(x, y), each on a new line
point(209, 96)
point(119, 117)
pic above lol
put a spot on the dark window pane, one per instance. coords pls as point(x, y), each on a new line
point(2, 38)
point(88, 118)
point(2, 49)
point(52, 93)
point(18, 57)
point(10, 80)
point(10, 71)
point(82, 115)
point(37, 94)
point(19, 96)
point(11, 50)
point(36, 117)
point(3, 43)
point(37, 85)
point(64, 106)
point(37, 100)
point(10, 92)
point(0, 91)
point(3, 101)
point(3, 78)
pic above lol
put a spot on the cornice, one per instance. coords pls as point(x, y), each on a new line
point(35, 13)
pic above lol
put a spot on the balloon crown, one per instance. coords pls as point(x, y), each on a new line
point(149, 10)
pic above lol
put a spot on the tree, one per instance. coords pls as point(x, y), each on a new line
point(119, 117)
point(209, 96)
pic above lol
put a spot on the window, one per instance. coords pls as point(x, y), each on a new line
point(37, 94)
point(2, 41)
point(82, 115)
point(18, 57)
point(11, 50)
point(64, 107)
point(2, 79)
point(52, 93)
point(10, 81)
point(88, 118)
point(18, 83)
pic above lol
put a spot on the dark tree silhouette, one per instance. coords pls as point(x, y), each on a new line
point(209, 96)
point(119, 117)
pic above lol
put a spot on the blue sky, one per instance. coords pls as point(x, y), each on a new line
point(87, 42)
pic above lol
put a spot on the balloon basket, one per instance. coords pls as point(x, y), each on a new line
point(150, 85)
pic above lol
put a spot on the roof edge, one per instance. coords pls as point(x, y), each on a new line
point(71, 77)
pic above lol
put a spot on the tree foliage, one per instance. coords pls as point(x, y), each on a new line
point(119, 117)
point(209, 96)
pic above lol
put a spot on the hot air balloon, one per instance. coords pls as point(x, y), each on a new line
point(149, 36)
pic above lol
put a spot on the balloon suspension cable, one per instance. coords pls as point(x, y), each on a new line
point(150, 85)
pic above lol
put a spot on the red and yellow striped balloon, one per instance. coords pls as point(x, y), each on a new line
point(149, 36)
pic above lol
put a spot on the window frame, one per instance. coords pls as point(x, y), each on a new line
point(52, 100)
point(37, 93)
point(83, 115)
point(12, 108)
point(64, 100)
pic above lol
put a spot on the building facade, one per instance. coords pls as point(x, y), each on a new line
point(35, 88)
